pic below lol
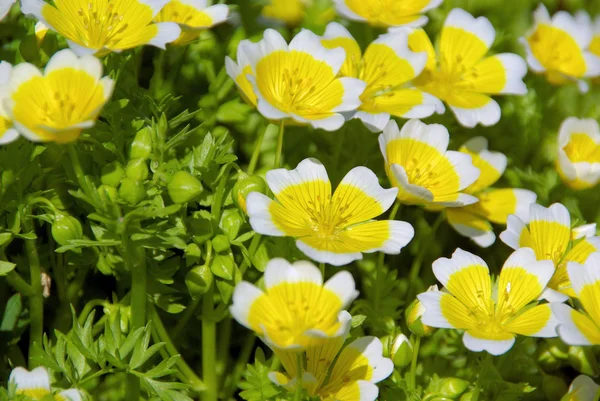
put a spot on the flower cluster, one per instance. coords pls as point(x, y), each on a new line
point(36, 385)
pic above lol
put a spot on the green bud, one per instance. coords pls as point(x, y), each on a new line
point(198, 281)
point(233, 112)
point(389, 324)
point(546, 359)
point(468, 396)
point(453, 387)
point(104, 266)
point(192, 254)
point(553, 387)
point(244, 185)
point(413, 315)
point(137, 169)
point(220, 243)
point(401, 351)
point(107, 193)
point(223, 266)
point(386, 341)
point(141, 147)
point(584, 361)
point(66, 228)
point(112, 173)
point(558, 349)
point(131, 191)
point(184, 187)
point(231, 222)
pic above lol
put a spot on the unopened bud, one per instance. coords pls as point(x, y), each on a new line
point(413, 315)
point(111, 174)
point(401, 352)
point(131, 191)
point(66, 228)
point(198, 281)
point(141, 147)
point(137, 169)
point(220, 243)
point(453, 387)
point(244, 185)
point(184, 187)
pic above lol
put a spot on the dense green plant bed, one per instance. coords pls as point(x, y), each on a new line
point(299, 199)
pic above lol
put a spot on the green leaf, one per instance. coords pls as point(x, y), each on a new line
point(256, 385)
point(6, 267)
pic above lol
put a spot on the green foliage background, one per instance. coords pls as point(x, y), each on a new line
point(90, 238)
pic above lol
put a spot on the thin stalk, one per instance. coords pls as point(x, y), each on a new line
point(15, 280)
point(36, 297)
point(322, 268)
point(225, 327)
point(185, 317)
point(240, 366)
point(161, 332)
point(257, 148)
point(415, 269)
point(209, 346)
point(482, 373)
point(412, 384)
point(279, 151)
point(381, 259)
point(299, 368)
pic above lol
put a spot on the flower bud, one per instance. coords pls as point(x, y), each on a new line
point(547, 361)
point(453, 387)
point(386, 341)
point(184, 187)
point(401, 352)
point(558, 349)
point(107, 193)
point(244, 185)
point(584, 361)
point(112, 173)
point(413, 317)
point(66, 228)
point(220, 243)
point(553, 387)
point(198, 281)
point(223, 266)
point(131, 191)
point(141, 147)
point(231, 222)
point(468, 396)
point(137, 169)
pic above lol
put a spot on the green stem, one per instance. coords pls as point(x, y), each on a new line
point(209, 346)
point(257, 148)
point(185, 317)
point(279, 151)
point(412, 384)
point(36, 297)
point(251, 251)
point(15, 280)
point(380, 261)
point(88, 308)
point(163, 336)
point(299, 368)
point(84, 183)
point(415, 269)
point(322, 268)
point(240, 366)
point(482, 373)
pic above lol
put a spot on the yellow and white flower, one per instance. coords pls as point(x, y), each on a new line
point(583, 388)
point(56, 105)
point(298, 81)
point(296, 310)
point(582, 327)
point(557, 46)
point(491, 315)
point(418, 163)
point(387, 67)
point(495, 204)
point(595, 43)
point(5, 6)
point(329, 228)
point(240, 70)
point(7, 132)
point(193, 16)
point(94, 27)
point(36, 385)
point(578, 161)
point(387, 13)
point(349, 375)
point(462, 76)
point(548, 232)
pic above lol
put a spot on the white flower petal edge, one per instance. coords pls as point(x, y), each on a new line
point(486, 115)
point(433, 315)
point(525, 198)
point(364, 179)
point(512, 234)
point(524, 258)
point(567, 330)
point(345, 11)
point(415, 190)
point(334, 259)
point(479, 145)
point(398, 42)
point(435, 135)
point(244, 296)
point(257, 206)
point(5, 6)
point(444, 268)
point(167, 33)
point(480, 26)
point(71, 395)
point(584, 388)
point(372, 349)
point(308, 170)
point(343, 285)
point(280, 271)
point(492, 347)
point(483, 238)
point(38, 378)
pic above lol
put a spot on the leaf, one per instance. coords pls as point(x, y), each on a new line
point(12, 311)
point(256, 385)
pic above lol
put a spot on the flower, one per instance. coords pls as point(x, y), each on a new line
point(558, 48)
point(296, 310)
point(7, 131)
point(418, 163)
point(93, 27)
point(462, 75)
point(352, 377)
point(583, 388)
point(594, 47)
point(582, 327)
point(298, 81)
point(193, 16)
point(495, 205)
point(240, 71)
point(491, 316)
point(56, 105)
point(387, 67)
point(334, 229)
point(5, 6)
point(36, 384)
point(290, 12)
point(548, 232)
point(387, 13)
point(578, 161)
